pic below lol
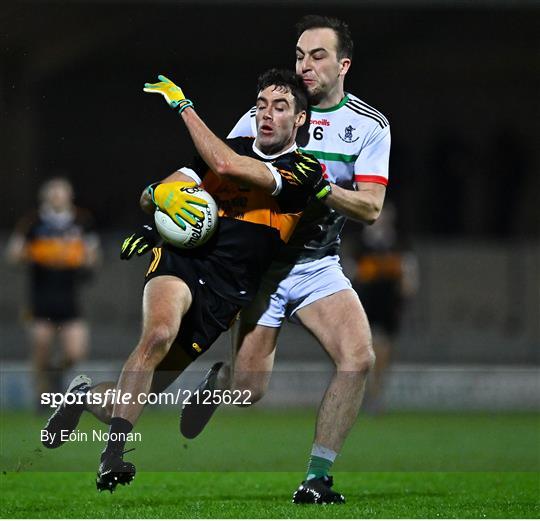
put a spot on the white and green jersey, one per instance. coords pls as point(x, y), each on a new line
point(352, 142)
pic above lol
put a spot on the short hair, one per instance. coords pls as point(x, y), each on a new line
point(288, 80)
point(345, 44)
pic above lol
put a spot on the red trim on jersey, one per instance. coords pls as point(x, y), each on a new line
point(371, 178)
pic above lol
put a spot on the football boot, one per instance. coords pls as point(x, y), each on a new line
point(195, 414)
point(65, 419)
point(317, 491)
point(113, 471)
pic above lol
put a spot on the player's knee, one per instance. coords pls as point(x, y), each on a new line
point(366, 360)
point(359, 358)
point(251, 389)
point(155, 344)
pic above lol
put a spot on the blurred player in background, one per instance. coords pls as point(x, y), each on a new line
point(60, 246)
point(190, 297)
point(352, 142)
point(385, 275)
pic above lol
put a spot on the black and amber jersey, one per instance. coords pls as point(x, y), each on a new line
point(56, 241)
point(251, 231)
point(56, 246)
point(281, 210)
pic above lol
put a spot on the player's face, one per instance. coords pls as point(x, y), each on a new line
point(318, 64)
point(58, 195)
point(277, 121)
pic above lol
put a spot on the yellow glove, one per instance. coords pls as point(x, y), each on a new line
point(176, 200)
point(172, 93)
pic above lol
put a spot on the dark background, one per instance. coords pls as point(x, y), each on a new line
point(459, 85)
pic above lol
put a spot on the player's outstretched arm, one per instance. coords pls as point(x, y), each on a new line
point(217, 155)
point(363, 204)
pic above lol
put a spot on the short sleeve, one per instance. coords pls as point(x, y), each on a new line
point(371, 166)
point(196, 170)
point(246, 126)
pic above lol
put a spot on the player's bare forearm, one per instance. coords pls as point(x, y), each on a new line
point(145, 201)
point(222, 159)
point(364, 204)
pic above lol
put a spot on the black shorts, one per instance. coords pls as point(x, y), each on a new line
point(54, 294)
point(54, 306)
point(223, 276)
point(210, 313)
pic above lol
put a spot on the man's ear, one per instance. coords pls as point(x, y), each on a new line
point(300, 119)
point(345, 66)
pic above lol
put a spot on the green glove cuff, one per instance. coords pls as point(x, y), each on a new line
point(183, 105)
point(150, 190)
point(324, 192)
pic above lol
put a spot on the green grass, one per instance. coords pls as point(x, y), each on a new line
point(247, 463)
point(267, 495)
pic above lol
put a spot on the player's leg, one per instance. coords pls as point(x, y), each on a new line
point(97, 399)
point(170, 368)
point(339, 322)
point(350, 347)
point(255, 347)
point(382, 346)
point(382, 301)
point(255, 335)
point(42, 334)
point(74, 337)
point(159, 315)
point(252, 357)
point(166, 300)
point(251, 375)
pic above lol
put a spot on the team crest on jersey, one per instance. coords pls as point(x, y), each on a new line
point(348, 138)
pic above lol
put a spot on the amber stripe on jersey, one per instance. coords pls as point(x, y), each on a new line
point(57, 252)
point(155, 261)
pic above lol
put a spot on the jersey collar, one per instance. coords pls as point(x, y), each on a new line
point(335, 107)
point(292, 148)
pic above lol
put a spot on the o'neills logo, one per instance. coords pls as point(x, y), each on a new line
point(196, 232)
point(197, 228)
point(320, 122)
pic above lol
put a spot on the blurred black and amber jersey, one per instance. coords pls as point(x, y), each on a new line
point(56, 250)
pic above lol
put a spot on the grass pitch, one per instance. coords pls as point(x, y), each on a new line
point(247, 464)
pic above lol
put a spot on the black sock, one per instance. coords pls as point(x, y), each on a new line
point(118, 432)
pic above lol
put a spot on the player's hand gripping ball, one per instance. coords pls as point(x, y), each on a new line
point(182, 206)
point(189, 234)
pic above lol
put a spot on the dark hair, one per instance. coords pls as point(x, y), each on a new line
point(290, 81)
point(345, 44)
